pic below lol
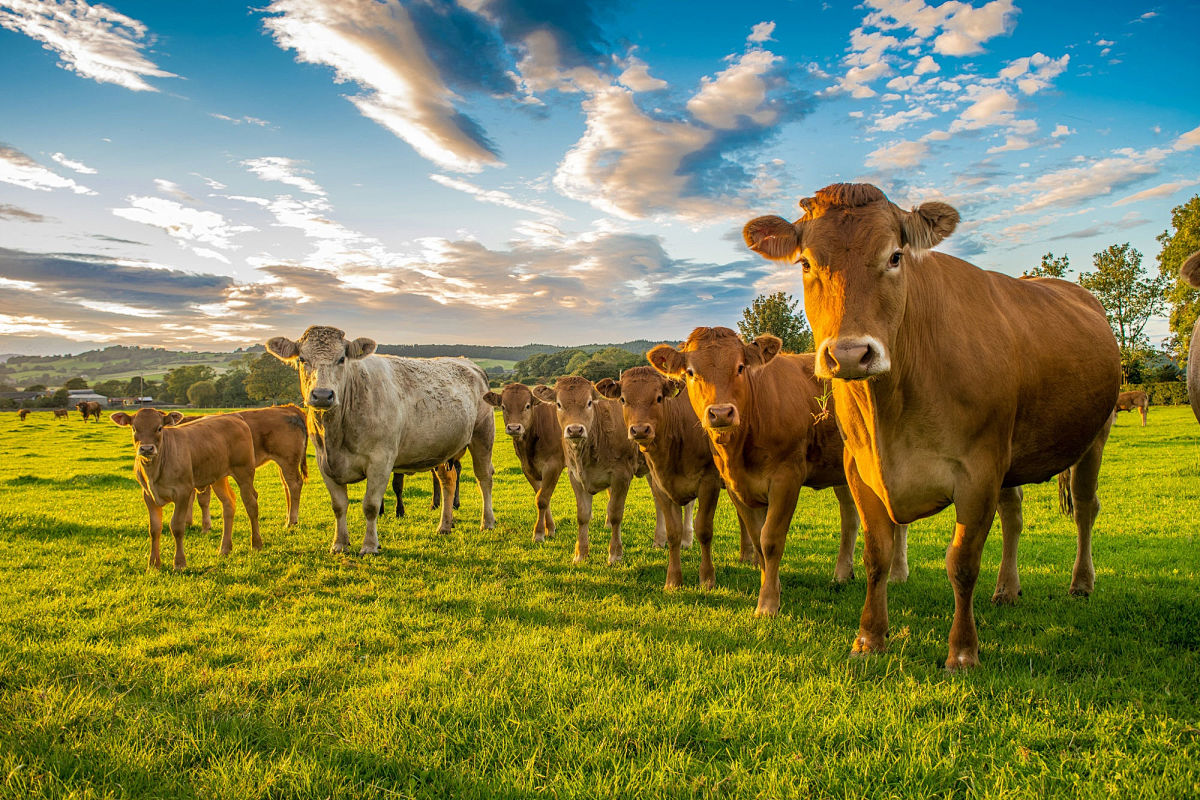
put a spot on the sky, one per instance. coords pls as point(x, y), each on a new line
point(209, 175)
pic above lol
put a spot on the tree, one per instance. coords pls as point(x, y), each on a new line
point(1051, 267)
point(231, 388)
point(271, 379)
point(179, 379)
point(36, 387)
point(110, 388)
point(202, 394)
point(776, 314)
point(609, 363)
point(1129, 296)
point(76, 383)
point(1183, 299)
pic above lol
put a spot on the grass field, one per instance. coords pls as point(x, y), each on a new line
point(481, 665)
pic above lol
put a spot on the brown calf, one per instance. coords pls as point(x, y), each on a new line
point(949, 384)
point(659, 418)
point(172, 462)
point(88, 408)
point(1127, 401)
point(598, 455)
point(61, 413)
point(770, 436)
point(23, 413)
point(538, 440)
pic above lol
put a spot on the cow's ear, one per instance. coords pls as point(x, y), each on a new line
point(545, 393)
point(1190, 271)
point(283, 348)
point(120, 418)
point(492, 399)
point(609, 388)
point(360, 348)
point(773, 237)
point(763, 349)
point(174, 418)
point(928, 224)
point(667, 360)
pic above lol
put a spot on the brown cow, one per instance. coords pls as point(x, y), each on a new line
point(23, 413)
point(770, 436)
point(172, 462)
point(61, 413)
point(953, 385)
point(659, 418)
point(279, 435)
point(1127, 401)
point(598, 455)
point(1190, 273)
point(538, 440)
point(88, 408)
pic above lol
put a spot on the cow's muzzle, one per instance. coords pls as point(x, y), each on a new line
point(724, 415)
point(643, 432)
point(852, 358)
point(147, 450)
point(321, 398)
point(515, 431)
point(575, 432)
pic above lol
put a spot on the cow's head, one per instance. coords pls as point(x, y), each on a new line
point(642, 392)
point(855, 249)
point(714, 364)
point(81, 405)
point(516, 403)
point(147, 426)
point(320, 356)
point(574, 400)
point(1190, 271)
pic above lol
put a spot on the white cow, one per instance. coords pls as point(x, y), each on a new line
point(372, 415)
point(1190, 273)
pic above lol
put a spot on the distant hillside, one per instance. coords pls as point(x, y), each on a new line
point(488, 352)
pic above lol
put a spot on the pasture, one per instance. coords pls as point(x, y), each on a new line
point(482, 665)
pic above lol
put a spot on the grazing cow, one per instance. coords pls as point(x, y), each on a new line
point(1190, 273)
point(61, 413)
point(1127, 401)
point(952, 385)
point(598, 455)
point(660, 420)
point(88, 408)
point(372, 415)
point(770, 435)
point(398, 490)
point(172, 462)
point(279, 435)
point(538, 441)
point(23, 413)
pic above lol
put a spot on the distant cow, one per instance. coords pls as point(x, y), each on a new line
point(88, 408)
point(373, 415)
point(1127, 401)
point(598, 455)
point(61, 413)
point(23, 413)
point(538, 441)
point(949, 383)
point(172, 462)
point(660, 420)
point(770, 435)
point(1190, 273)
point(398, 489)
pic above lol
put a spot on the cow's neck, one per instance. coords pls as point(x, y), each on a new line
point(152, 471)
point(670, 441)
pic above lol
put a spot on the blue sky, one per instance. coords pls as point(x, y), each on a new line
point(208, 175)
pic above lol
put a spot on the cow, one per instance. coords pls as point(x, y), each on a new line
point(61, 414)
point(953, 385)
point(598, 456)
point(538, 441)
point(1190, 273)
point(280, 435)
point(1127, 401)
point(88, 408)
point(23, 413)
point(770, 435)
point(172, 462)
point(372, 415)
point(398, 490)
point(660, 420)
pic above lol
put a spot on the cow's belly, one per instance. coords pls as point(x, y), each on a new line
point(912, 483)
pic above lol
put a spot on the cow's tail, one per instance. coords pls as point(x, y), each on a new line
point(1065, 504)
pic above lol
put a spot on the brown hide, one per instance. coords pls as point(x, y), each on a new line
point(537, 440)
point(1127, 401)
point(88, 408)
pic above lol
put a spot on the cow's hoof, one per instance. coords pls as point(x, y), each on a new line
point(686, 544)
point(224, 551)
point(769, 609)
point(615, 558)
point(1080, 590)
point(538, 538)
point(958, 662)
point(1004, 597)
point(257, 545)
point(369, 551)
point(579, 558)
point(898, 576)
point(337, 548)
point(867, 643)
point(842, 578)
point(749, 558)
point(487, 525)
point(660, 543)
point(708, 584)
point(180, 564)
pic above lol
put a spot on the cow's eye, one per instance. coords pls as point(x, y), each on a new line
point(690, 372)
point(894, 261)
point(159, 429)
point(589, 403)
point(803, 264)
point(528, 406)
point(301, 359)
point(557, 404)
point(622, 401)
point(658, 399)
point(341, 361)
point(741, 368)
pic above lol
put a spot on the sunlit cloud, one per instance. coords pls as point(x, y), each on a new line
point(21, 170)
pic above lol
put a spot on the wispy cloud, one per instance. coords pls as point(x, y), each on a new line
point(191, 227)
point(262, 123)
point(21, 170)
point(18, 214)
point(496, 197)
point(283, 170)
point(75, 165)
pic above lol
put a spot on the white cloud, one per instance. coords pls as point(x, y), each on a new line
point(1061, 130)
point(75, 165)
point(1162, 190)
point(900, 119)
point(966, 28)
point(1010, 144)
point(1188, 140)
point(189, 226)
point(94, 42)
point(496, 197)
point(21, 170)
point(283, 170)
point(761, 32)
point(739, 91)
point(637, 76)
point(262, 123)
point(170, 187)
point(926, 65)
point(990, 107)
point(1098, 178)
point(899, 155)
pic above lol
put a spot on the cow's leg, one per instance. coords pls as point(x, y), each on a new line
point(245, 482)
point(225, 497)
point(377, 483)
point(339, 500)
point(436, 502)
point(1142, 409)
point(974, 510)
point(706, 509)
point(293, 482)
point(781, 505)
point(843, 572)
point(672, 517)
point(155, 511)
point(179, 517)
point(689, 525)
point(204, 500)
point(550, 476)
point(481, 462)
point(878, 540)
point(1084, 477)
point(616, 513)
point(747, 546)
point(660, 513)
point(1012, 522)
point(447, 479)
point(899, 570)
point(583, 516)
point(457, 481)
point(398, 490)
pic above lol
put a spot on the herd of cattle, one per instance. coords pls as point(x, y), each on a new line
point(934, 383)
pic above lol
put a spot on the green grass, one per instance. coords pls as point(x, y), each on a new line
point(482, 665)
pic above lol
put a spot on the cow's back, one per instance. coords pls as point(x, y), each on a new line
point(205, 450)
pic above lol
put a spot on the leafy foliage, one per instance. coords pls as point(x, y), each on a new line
point(776, 314)
point(1182, 299)
point(202, 394)
point(180, 379)
point(271, 379)
point(1130, 297)
point(76, 383)
point(1051, 267)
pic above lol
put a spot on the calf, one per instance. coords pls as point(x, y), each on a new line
point(538, 440)
point(61, 413)
point(23, 413)
point(88, 408)
point(172, 462)
point(1127, 401)
point(660, 420)
point(772, 432)
point(598, 455)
